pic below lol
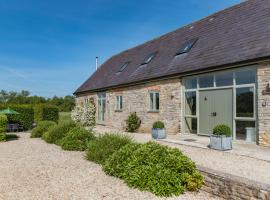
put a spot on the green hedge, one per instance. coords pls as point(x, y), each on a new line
point(77, 139)
point(25, 118)
point(3, 137)
point(44, 112)
point(152, 167)
point(104, 146)
point(41, 128)
point(56, 133)
point(3, 123)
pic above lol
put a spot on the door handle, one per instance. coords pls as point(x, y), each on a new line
point(214, 114)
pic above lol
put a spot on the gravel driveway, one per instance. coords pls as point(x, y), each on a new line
point(33, 169)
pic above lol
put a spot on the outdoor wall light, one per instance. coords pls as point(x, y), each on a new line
point(264, 103)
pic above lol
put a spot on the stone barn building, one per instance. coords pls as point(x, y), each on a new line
point(213, 71)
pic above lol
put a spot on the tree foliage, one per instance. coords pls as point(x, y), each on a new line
point(65, 104)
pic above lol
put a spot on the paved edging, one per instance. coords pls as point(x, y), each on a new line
point(234, 187)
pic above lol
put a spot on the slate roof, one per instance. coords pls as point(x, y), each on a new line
point(237, 34)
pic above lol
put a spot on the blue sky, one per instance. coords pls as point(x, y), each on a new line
point(49, 47)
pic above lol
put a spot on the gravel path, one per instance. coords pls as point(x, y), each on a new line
point(33, 169)
point(247, 167)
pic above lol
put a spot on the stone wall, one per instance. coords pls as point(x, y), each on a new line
point(263, 74)
point(136, 99)
point(233, 187)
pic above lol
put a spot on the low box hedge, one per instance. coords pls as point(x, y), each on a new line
point(104, 146)
point(57, 132)
point(45, 112)
point(152, 167)
point(41, 128)
point(77, 139)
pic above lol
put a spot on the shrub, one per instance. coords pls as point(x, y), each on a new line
point(3, 123)
point(152, 167)
point(25, 118)
point(77, 139)
point(44, 112)
point(104, 146)
point(85, 115)
point(11, 137)
point(41, 128)
point(57, 132)
point(222, 130)
point(3, 137)
point(133, 122)
point(158, 125)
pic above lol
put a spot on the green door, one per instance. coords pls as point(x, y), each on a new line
point(215, 107)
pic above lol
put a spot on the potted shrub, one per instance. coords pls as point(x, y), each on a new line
point(221, 138)
point(158, 130)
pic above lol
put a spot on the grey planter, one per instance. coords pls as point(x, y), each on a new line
point(220, 142)
point(158, 133)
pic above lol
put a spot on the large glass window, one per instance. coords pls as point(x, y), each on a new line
point(245, 77)
point(190, 103)
point(245, 102)
point(206, 81)
point(191, 83)
point(245, 130)
point(101, 106)
point(190, 125)
point(154, 101)
point(225, 79)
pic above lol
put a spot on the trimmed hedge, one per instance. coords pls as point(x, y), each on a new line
point(158, 125)
point(222, 129)
point(56, 133)
point(3, 137)
point(44, 112)
point(3, 123)
point(133, 122)
point(77, 139)
point(25, 118)
point(41, 128)
point(104, 146)
point(152, 167)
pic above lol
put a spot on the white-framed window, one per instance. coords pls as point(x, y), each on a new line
point(119, 103)
point(154, 101)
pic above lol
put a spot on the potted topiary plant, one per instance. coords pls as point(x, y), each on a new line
point(221, 138)
point(158, 130)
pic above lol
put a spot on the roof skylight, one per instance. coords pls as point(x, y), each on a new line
point(149, 58)
point(187, 46)
point(123, 66)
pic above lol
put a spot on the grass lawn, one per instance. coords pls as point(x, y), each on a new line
point(64, 116)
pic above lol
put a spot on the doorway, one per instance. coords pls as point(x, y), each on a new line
point(215, 107)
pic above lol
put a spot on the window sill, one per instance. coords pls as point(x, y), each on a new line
point(153, 111)
point(118, 111)
point(101, 123)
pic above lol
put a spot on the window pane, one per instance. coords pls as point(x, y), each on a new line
point(245, 102)
point(206, 81)
point(191, 125)
point(191, 83)
point(245, 130)
point(157, 101)
point(245, 77)
point(151, 101)
point(225, 79)
point(121, 103)
point(190, 103)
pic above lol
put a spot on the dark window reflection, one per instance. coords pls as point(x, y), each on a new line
point(245, 102)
